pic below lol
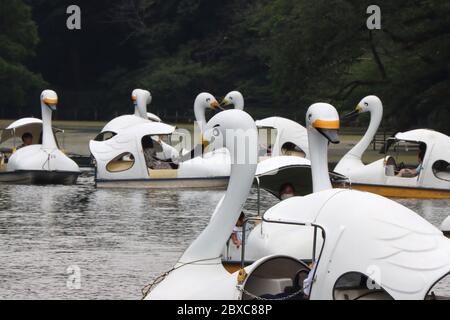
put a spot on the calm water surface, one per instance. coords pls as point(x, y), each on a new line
point(119, 239)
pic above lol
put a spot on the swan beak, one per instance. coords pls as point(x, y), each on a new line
point(329, 129)
point(225, 103)
point(214, 105)
point(359, 109)
point(205, 143)
point(326, 124)
point(51, 103)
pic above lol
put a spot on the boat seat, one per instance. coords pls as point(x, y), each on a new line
point(391, 166)
point(163, 173)
point(293, 153)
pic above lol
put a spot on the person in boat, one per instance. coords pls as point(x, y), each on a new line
point(287, 191)
point(27, 140)
point(151, 148)
point(238, 230)
point(411, 173)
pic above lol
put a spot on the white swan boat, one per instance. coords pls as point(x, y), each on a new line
point(39, 162)
point(373, 247)
point(140, 98)
point(121, 160)
point(382, 177)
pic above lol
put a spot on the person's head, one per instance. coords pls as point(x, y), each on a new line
point(27, 138)
point(287, 190)
point(241, 220)
point(421, 156)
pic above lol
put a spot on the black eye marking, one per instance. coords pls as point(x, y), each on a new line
point(366, 104)
point(208, 100)
point(310, 116)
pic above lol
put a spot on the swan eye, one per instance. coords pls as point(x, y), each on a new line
point(310, 116)
point(208, 100)
point(231, 98)
point(366, 104)
point(216, 132)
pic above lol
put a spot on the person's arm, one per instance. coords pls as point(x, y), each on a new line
point(235, 240)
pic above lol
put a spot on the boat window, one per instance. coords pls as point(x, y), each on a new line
point(104, 136)
point(440, 290)
point(357, 286)
point(275, 279)
point(404, 159)
point(122, 162)
point(441, 170)
point(266, 139)
point(291, 149)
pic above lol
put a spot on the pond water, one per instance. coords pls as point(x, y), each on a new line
point(117, 240)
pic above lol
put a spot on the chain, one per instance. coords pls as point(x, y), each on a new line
point(146, 290)
point(264, 299)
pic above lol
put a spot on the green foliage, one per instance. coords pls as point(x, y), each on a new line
point(18, 39)
point(282, 54)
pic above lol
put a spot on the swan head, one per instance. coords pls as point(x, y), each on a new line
point(206, 101)
point(324, 118)
point(140, 92)
point(236, 131)
point(368, 104)
point(234, 98)
point(50, 99)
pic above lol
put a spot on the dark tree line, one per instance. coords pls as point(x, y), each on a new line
point(282, 54)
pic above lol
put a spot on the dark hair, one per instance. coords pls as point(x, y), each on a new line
point(285, 185)
point(147, 142)
point(27, 135)
point(421, 155)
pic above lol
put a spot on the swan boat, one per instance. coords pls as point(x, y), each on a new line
point(382, 177)
point(140, 98)
point(121, 160)
point(39, 162)
point(373, 248)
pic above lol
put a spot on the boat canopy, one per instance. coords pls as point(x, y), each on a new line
point(273, 173)
point(24, 125)
point(371, 235)
point(438, 142)
point(288, 131)
point(129, 140)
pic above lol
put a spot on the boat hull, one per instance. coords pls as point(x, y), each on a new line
point(39, 177)
point(174, 183)
point(403, 192)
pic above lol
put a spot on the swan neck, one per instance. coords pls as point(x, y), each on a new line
point(212, 240)
point(142, 107)
point(375, 120)
point(48, 138)
point(318, 148)
point(200, 117)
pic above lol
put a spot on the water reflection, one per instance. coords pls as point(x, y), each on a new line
point(120, 239)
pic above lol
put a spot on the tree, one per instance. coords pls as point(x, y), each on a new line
point(18, 39)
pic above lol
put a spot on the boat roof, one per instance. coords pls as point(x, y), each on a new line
point(21, 126)
point(288, 131)
point(430, 137)
point(363, 230)
point(123, 122)
point(272, 165)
